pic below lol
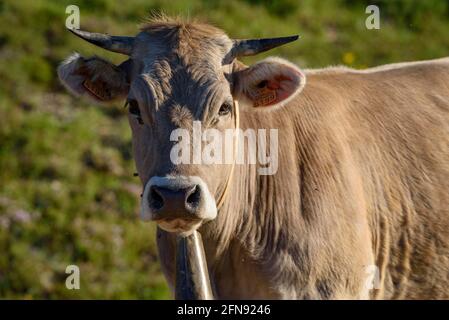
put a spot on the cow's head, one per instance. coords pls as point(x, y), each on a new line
point(178, 73)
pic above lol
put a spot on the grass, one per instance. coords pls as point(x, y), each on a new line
point(67, 191)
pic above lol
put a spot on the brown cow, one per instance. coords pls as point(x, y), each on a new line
point(362, 185)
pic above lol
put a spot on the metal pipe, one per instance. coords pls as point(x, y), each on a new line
point(192, 276)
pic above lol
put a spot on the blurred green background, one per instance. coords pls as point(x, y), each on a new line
point(67, 191)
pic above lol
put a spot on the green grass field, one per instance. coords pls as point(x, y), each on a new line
point(67, 191)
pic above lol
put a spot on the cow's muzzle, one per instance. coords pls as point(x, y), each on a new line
point(178, 203)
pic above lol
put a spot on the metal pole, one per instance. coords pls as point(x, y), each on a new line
point(192, 276)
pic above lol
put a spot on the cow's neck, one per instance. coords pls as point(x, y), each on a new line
point(277, 234)
point(250, 234)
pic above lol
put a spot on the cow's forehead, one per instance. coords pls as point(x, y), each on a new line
point(182, 43)
point(183, 64)
point(184, 81)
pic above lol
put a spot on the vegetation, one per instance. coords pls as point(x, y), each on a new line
point(67, 191)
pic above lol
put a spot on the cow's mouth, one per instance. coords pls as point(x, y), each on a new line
point(181, 226)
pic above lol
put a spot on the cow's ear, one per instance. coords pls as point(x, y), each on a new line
point(268, 84)
point(95, 78)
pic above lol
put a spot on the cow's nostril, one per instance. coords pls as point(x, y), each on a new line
point(193, 197)
point(156, 199)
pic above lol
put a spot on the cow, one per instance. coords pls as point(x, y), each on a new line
point(359, 205)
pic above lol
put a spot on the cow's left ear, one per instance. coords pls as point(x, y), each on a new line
point(95, 78)
point(267, 85)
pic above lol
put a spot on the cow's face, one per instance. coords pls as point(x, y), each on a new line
point(182, 78)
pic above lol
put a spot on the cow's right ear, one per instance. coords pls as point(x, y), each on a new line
point(95, 78)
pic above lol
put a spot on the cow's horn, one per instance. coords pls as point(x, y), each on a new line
point(118, 44)
point(250, 47)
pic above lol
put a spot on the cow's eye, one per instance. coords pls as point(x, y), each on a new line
point(134, 110)
point(225, 109)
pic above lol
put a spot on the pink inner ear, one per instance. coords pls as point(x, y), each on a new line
point(283, 87)
point(269, 84)
point(276, 90)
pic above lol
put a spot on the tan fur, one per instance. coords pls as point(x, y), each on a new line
point(181, 117)
point(368, 179)
point(363, 174)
